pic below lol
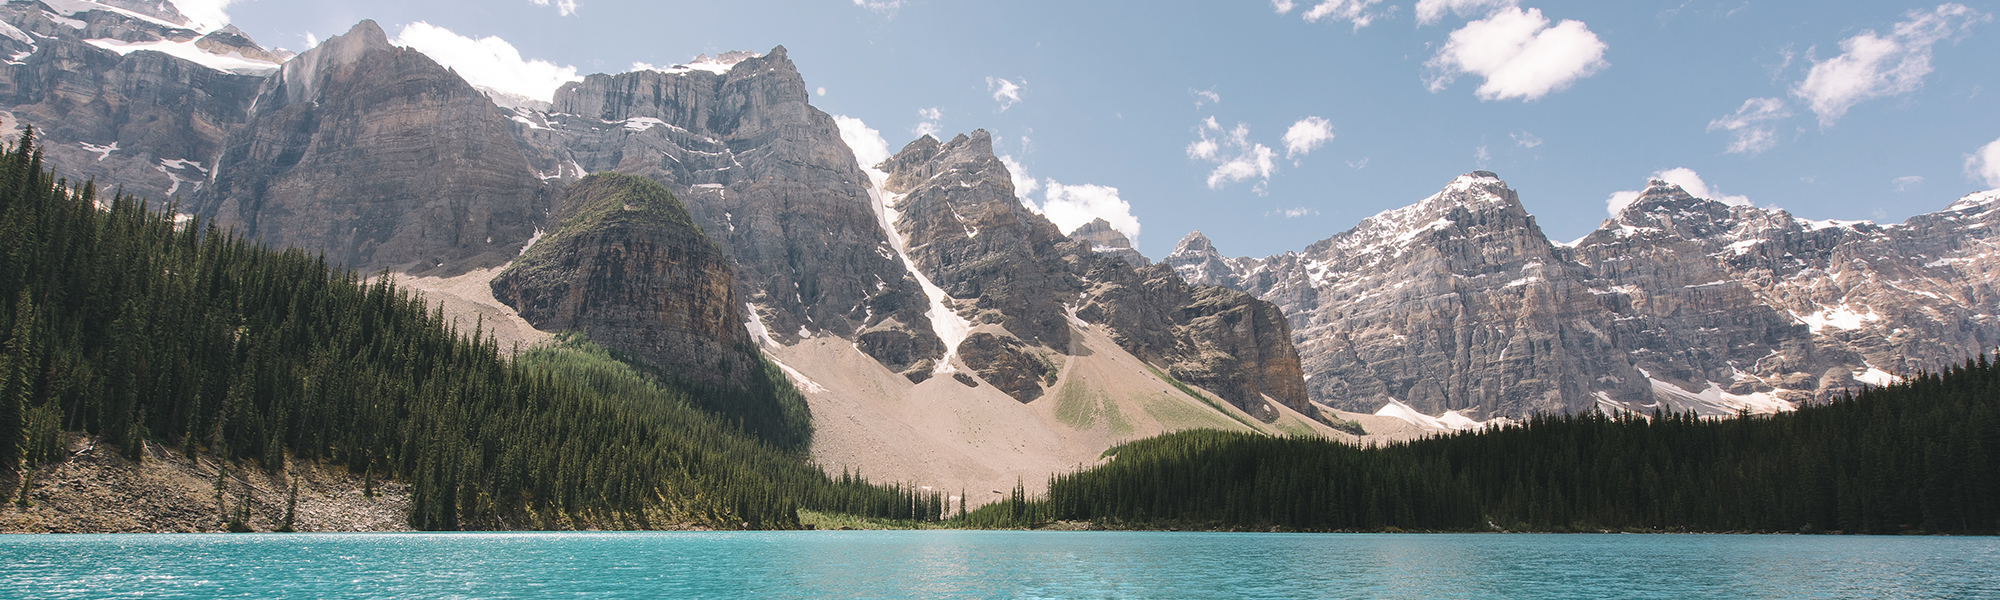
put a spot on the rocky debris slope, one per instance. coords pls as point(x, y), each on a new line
point(94, 490)
point(125, 97)
point(767, 176)
point(1022, 285)
point(629, 268)
point(1458, 303)
point(380, 158)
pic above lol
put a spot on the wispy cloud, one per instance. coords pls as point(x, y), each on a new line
point(928, 122)
point(1525, 139)
point(1306, 135)
point(1356, 12)
point(1481, 157)
point(1751, 125)
point(1236, 158)
point(1687, 179)
point(1519, 54)
point(880, 6)
point(1907, 182)
point(1872, 65)
point(1292, 213)
point(1431, 11)
point(488, 62)
point(1205, 97)
point(566, 7)
point(1006, 92)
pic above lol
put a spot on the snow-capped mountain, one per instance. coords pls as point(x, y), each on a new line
point(1459, 303)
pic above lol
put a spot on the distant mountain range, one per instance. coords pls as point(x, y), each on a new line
point(944, 331)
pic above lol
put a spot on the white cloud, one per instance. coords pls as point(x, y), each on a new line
point(869, 147)
point(1984, 164)
point(1292, 213)
point(929, 122)
point(567, 7)
point(1236, 157)
point(1525, 139)
point(1005, 92)
point(1873, 66)
point(1207, 96)
point(1687, 179)
point(1430, 11)
point(1905, 183)
point(1750, 125)
point(1024, 184)
point(1282, 6)
point(208, 13)
point(1359, 164)
point(489, 62)
point(1619, 200)
point(881, 6)
point(1481, 157)
point(311, 41)
point(1307, 135)
point(1352, 11)
point(1519, 54)
point(1073, 206)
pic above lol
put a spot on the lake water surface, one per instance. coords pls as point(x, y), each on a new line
point(994, 564)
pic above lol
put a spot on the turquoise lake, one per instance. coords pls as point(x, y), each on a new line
point(994, 564)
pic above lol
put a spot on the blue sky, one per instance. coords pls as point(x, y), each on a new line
point(1271, 125)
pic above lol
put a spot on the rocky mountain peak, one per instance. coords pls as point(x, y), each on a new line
point(1197, 262)
point(1976, 200)
point(1193, 244)
point(1108, 241)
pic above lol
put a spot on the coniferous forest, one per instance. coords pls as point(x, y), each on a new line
point(1917, 457)
point(138, 328)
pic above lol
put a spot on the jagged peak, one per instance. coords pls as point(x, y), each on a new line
point(1194, 244)
point(719, 64)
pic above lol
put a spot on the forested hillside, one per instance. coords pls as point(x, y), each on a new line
point(136, 327)
point(1922, 456)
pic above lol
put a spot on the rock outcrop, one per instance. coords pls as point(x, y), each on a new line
point(1102, 238)
point(380, 158)
point(628, 267)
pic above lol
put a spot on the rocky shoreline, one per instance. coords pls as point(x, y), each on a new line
point(97, 490)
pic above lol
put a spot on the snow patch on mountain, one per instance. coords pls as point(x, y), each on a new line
point(871, 150)
point(233, 62)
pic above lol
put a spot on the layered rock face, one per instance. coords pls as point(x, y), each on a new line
point(627, 266)
point(1103, 239)
point(1460, 303)
point(768, 177)
point(1804, 310)
point(1002, 265)
point(380, 158)
point(146, 120)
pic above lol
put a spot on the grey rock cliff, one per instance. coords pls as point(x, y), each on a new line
point(767, 176)
point(380, 158)
point(148, 121)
